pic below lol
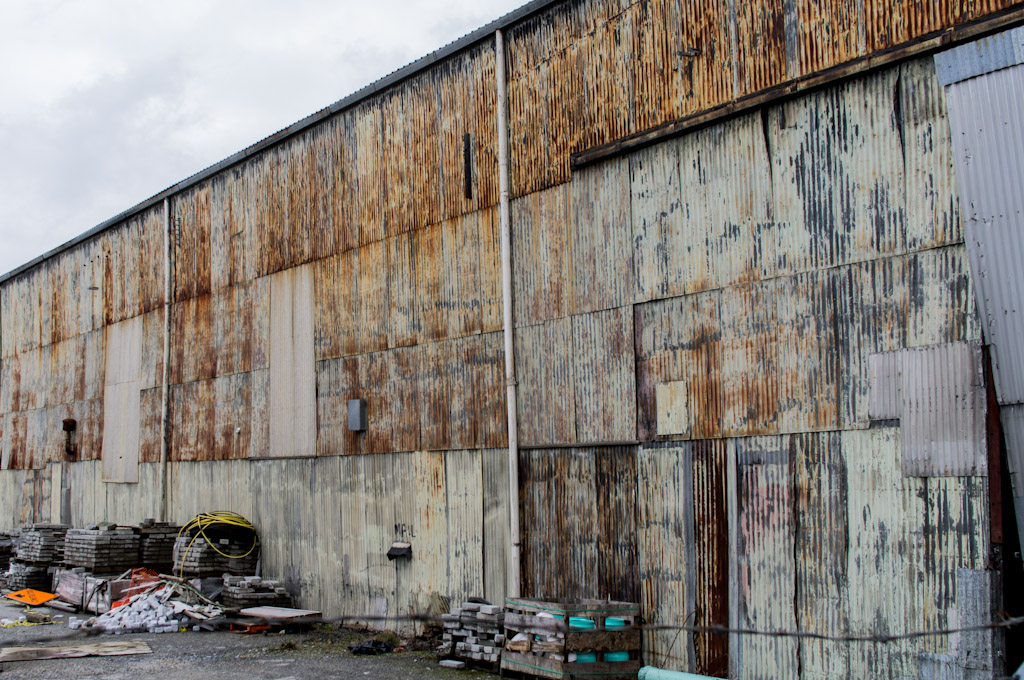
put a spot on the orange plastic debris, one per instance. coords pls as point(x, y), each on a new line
point(32, 597)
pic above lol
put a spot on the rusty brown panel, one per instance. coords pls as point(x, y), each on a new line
point(435, 391)
point(527, 123)
point(655, 51)
point(397, 113)
point(489, 292)
point(148, 235)
point(760, 46)
point(433, 292)
point(485, 354)
point(116, 275)
point(190, 211)
point(192, 421)
point(331, 408)
point(311, 197)
point(890, 22)
point(602, 241)
point(336, 286)
point(749, 372)
point(542, 253)
point(63, 285)
point(16, 432)
point(232, 416)
point(808, 365)
point(192, 343)
point(402, 389)
point(67, 371)
point(377, 390)
point(615, 494)
point(373, 296)
point(711, 552)
point(703, 53)
point(681, 339)
point(605, 375)
point(545, 367)
point(403, 329)
point(152, 351)
point(91, 425)
point(271, 212)
point(259, 297)
point(819, 477)
point(830, 33)
point(368, 179)
point(151, 406)
point(341, 148)
point(462, 246)
point(232, 329)
point(578, 513)
point(605, 57)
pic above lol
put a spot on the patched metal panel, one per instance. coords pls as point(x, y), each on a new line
point(191, 421)
point(604, 375)
point(578, 514)
point(121, 401)
point(292, 399)
point(989, 143)
point(542, 253)
point(336, 284)
point(544, 367)
point(193, 355)
point(190, 244)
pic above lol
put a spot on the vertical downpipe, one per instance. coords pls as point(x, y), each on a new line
point(165, 405)
point(514, 573)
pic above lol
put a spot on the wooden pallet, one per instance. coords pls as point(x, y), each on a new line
point(552, 638)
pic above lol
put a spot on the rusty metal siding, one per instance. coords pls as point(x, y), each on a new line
point(193, 355)
point(545, 367)
point(336, 292)
point(542, 256)
point(601, 244)
point(683, 539)
point(578, 515)
point(190, 247)
point(604, 376)
point(192, 419)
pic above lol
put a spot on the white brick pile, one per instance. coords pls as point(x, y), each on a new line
point(152, 612)
point(474, 631)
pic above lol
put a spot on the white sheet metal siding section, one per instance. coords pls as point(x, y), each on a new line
point(1012, 419)
point(938, 395)
point(292, 376)
point(121, 401)
point(988, 138)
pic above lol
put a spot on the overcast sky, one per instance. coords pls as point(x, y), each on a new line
point(104, 103)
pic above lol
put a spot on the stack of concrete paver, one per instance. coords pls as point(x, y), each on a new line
point(474, 631)
point(103, 548)
point(156, 544)
point(195, 557)
point(22, 575)
point(6, 549)
point(42, 543)
point(241, 592)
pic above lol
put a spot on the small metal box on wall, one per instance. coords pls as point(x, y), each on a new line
point(357, 415)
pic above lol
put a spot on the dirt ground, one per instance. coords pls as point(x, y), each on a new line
point(319, 653)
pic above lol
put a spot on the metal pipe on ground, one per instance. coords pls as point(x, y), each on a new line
point(652, 673)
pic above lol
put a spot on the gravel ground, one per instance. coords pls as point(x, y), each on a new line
point(321, 653)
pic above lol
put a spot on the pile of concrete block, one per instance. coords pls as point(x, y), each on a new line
point(195, 557)
point(41, 543)
point(156, 544)
point(21, 575)
point(102, 548)
point(241, 592)
point(153, 612)
point(475, 632)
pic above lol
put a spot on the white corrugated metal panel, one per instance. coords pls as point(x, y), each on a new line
point(121, 401)
point(1012, 418)
point(938, 395)
point(988, 138)
point(292, 371)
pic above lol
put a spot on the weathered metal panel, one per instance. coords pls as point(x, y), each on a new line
point(545, 367)
point(604, 375)
point(494, 476)
point(190, 213)
point(658, 225)
point(542, 253)
point(830, 32)
point(368, 177)
point(602, 244)
point(765, 559)
point(402, 304)
point(988, 142)
point(231, 316)
point(121, 401)
point(193, 355)
point(151, 409)
point(578, 514)
point(191, 421)
point(759, 46)
point(292, 398)
point(232, 412)
point(1012, 419)
point(336, 300)
point(374, 275)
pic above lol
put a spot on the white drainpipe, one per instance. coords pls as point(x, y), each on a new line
point(165, 405)
point(513, 576)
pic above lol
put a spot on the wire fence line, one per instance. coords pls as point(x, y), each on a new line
point(560, 627)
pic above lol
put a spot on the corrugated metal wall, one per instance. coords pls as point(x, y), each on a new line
point(698, 326)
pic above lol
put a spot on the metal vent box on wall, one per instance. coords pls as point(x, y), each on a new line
point(357, 415)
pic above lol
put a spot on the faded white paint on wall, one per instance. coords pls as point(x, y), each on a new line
point(121, 401)
point(292, 409)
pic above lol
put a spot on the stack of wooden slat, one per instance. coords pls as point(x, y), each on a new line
point(107, 548)
point(474, 632)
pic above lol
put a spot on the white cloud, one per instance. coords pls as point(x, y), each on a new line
point(105, 103)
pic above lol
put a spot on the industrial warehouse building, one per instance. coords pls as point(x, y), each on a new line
point(763, 288)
